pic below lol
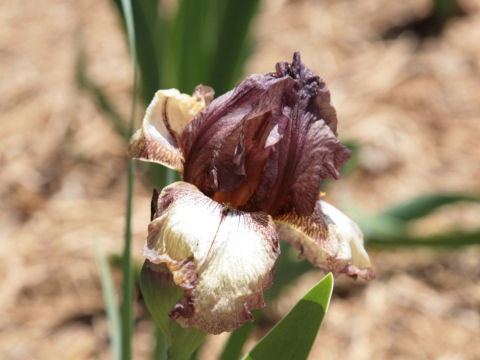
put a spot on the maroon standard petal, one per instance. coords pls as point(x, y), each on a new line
point(227, 145)
point(267, 144)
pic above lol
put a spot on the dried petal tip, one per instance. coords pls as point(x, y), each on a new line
point(328, 239)
point(163, 124)
point(223, 259)
point(313, 88)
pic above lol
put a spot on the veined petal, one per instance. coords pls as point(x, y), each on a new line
point(308, 153)
point(308, 150)
point(226, 146)
point(267, 144)
point(328, 239)
point(165, 119)
point(222, 258)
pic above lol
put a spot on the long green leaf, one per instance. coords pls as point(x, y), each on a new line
point(130, 26)
point(160, 350)
point(233, 32)
point(233, 347)
point(424, 205)
point(128, 273)
point(150, 34)
point(149, 37)
point(187, 42)
point(453, 239)
point(293, 337)
point(288, 268)
point(111, 306)
point(104, 104)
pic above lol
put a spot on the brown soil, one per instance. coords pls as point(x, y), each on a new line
point(413, 105)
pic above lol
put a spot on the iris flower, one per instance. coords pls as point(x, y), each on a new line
point(251, 162)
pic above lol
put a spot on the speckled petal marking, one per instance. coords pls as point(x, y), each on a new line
point(328, 239)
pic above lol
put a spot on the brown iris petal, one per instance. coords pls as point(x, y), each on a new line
point(267, 144)
point(328, 239)
point(219, 144)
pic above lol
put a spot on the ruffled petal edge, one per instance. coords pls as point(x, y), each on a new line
point(165, 119)
point(223, 259)
point(328, 239)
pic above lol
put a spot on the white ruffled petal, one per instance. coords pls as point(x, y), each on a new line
point(165, 119)
point(222, 258)
point(328, 239)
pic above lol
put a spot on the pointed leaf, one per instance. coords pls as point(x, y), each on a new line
point(424, 205)
point(233, 347)
point(110, 298)
point(293, 337)
point(233, 35)
point(453, 239)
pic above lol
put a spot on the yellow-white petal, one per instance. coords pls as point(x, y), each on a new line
point(222, 258)
point(328, 239)
point(165, 119)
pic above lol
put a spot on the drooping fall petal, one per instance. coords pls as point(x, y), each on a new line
point(328, 239)
point(267, 144)
point(165, 118)
point(222, 258)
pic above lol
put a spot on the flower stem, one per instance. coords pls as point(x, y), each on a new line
point(160, 351)
point(127, 290)
point(128, 276)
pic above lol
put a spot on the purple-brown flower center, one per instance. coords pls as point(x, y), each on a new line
point(267, 144)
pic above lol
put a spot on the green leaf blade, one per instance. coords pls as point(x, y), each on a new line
point(111, 306)
point(424, 205)
point(127, 322)
point(233, 347)
point(293, 337)
point(233, 38)
point(453, 239)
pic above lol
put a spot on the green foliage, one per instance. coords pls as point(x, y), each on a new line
point(161, 294)
point(293, 337)
point(288, 268)
point(391, 227)
point(128, 271)
point(111, 306)
point(86, 83)
point(425, 204)
point(161, 346)
point(202, 42)
point(233, 347)
point(453, 239)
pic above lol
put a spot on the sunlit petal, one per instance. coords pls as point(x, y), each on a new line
point(165, 119)
point(222, 258)
point(328, 239)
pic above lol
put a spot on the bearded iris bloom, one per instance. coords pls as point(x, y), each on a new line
point(251, 162)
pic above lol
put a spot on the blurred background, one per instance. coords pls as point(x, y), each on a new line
point(405, 80)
